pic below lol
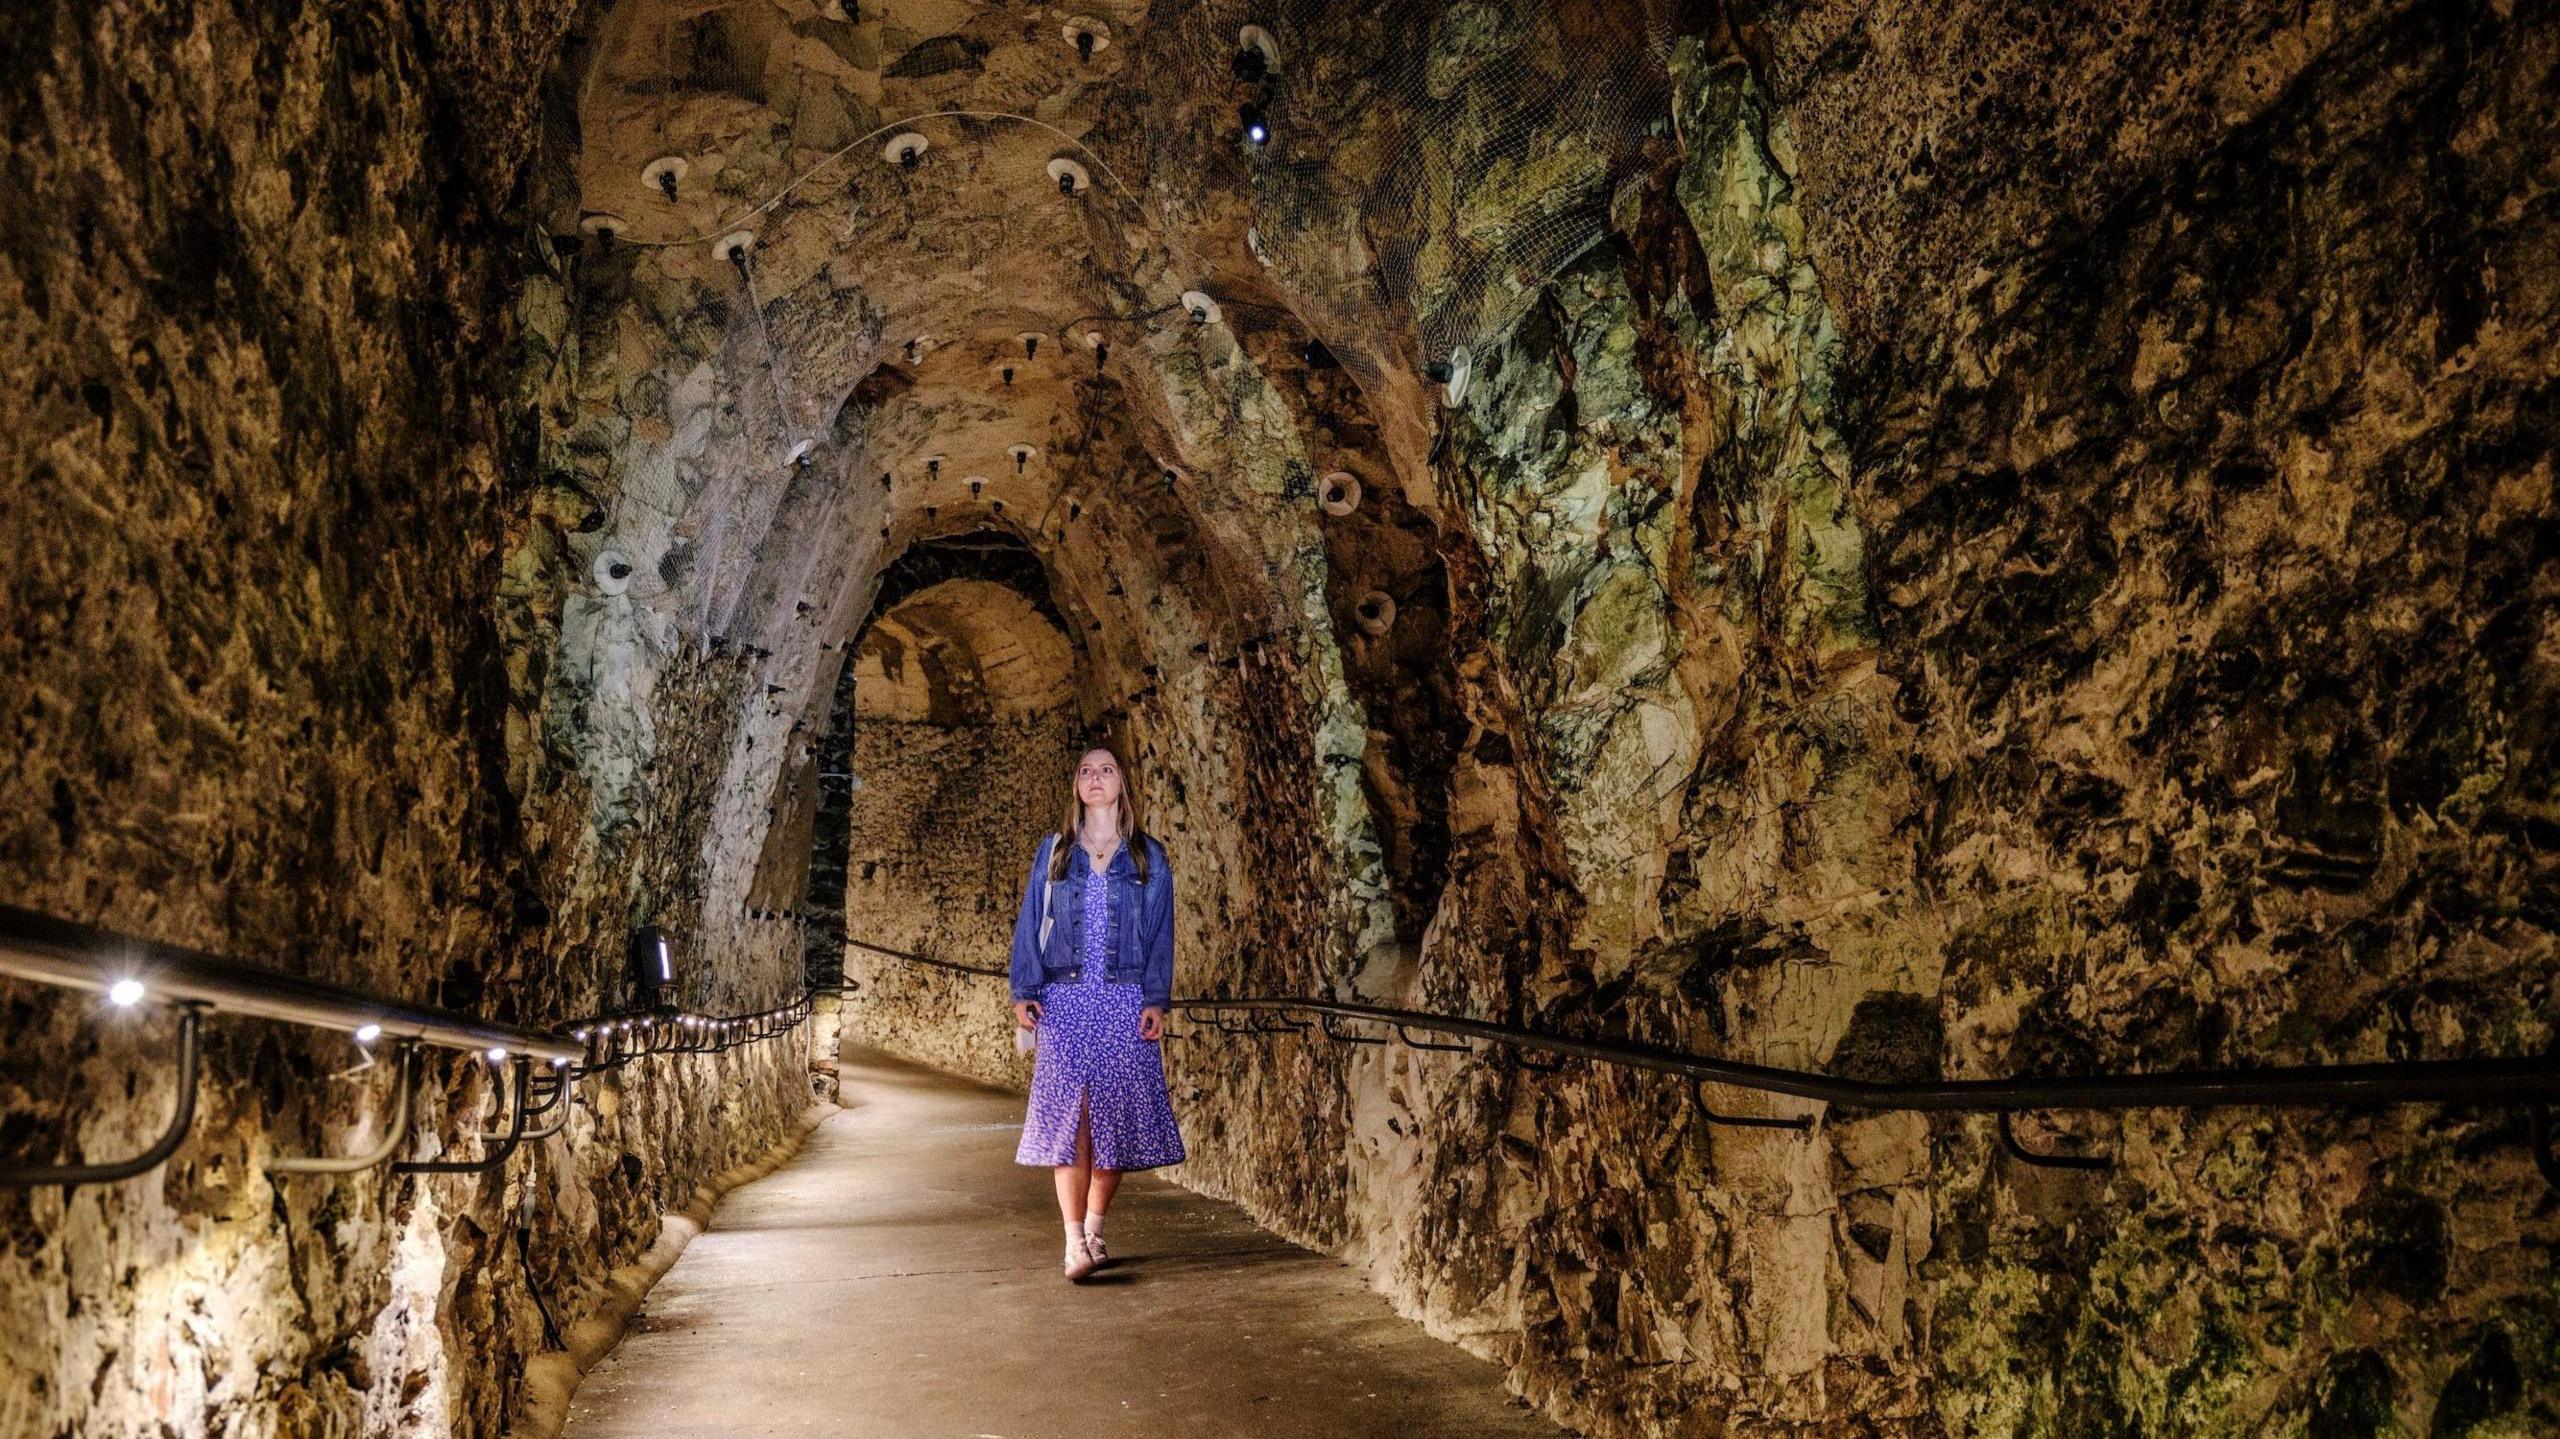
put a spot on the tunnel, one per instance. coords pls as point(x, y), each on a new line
point(1849, 711)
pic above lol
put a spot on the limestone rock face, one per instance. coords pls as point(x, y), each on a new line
point(259, 292)
point(1905, 540)
point(2009, 560)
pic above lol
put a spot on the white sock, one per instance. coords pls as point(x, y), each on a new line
point(1093, 1226)
point(1075, 1231)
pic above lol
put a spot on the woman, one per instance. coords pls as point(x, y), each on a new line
point(1093, 978)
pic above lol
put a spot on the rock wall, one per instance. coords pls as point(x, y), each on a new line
point(2026, 553)
point(270, 516)
point(941, 836)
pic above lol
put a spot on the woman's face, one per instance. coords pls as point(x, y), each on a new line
point(1098, 778)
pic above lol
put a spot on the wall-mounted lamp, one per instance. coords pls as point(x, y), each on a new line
point(653, 962)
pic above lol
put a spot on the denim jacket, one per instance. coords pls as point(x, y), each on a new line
point(1141, 946)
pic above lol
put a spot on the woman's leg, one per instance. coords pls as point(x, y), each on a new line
point(1074, 1180)
point(1097, 1197)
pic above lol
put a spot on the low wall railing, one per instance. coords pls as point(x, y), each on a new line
point(540, 1068)
point(2530, 1084)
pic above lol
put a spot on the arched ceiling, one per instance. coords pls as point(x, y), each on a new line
point(963, 651)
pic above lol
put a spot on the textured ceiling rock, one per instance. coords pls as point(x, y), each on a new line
point(1974, 541)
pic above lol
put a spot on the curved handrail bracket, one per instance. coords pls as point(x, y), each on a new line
point(559, 1091)
point(2044, 1160)
point(1708, 1112)
point(27, 1176)
point(404, 1088)
point(1340, 1037)
point(497, 1155)
point(1405, 1032)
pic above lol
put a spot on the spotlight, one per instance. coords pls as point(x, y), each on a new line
point(497, 1053)
point(653, 965)
point(1256, 129)
point(1088, 35)
point(905, 149)
point(559, 1064)
point(125, 993)
point(368, 1034)
point(662, 174)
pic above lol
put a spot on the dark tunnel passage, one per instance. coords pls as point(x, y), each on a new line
point(1851, 708)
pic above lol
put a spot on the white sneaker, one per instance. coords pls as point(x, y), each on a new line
point(1079, 1258)
point(1093, 1244)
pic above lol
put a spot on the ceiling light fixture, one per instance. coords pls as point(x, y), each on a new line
point(1090, 36)
point(1257, 55)
point(905, 149)
point(662, 174)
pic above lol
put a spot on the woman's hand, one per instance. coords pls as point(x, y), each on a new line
point(1151, 1024)
point(1026, 1014)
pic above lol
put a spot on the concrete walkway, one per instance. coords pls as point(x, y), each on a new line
point(899, 1280)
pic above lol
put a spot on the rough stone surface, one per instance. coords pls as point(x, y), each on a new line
point(2024, 548)
point(261, 327)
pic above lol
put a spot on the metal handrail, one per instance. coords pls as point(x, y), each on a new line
point(990, 971)
point(128, 971)
point(58, 951)
point(2419, 1081)
point(2532, 1082)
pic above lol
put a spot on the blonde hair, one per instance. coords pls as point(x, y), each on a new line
point(1072, 826)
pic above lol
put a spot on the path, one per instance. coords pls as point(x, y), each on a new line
point(899, 1280)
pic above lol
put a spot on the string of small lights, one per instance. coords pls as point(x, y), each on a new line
point(536, 1069)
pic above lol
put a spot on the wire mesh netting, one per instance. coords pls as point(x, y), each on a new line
point(1426, 170)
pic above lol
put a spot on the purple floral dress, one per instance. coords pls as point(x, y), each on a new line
point(1090, 1053)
